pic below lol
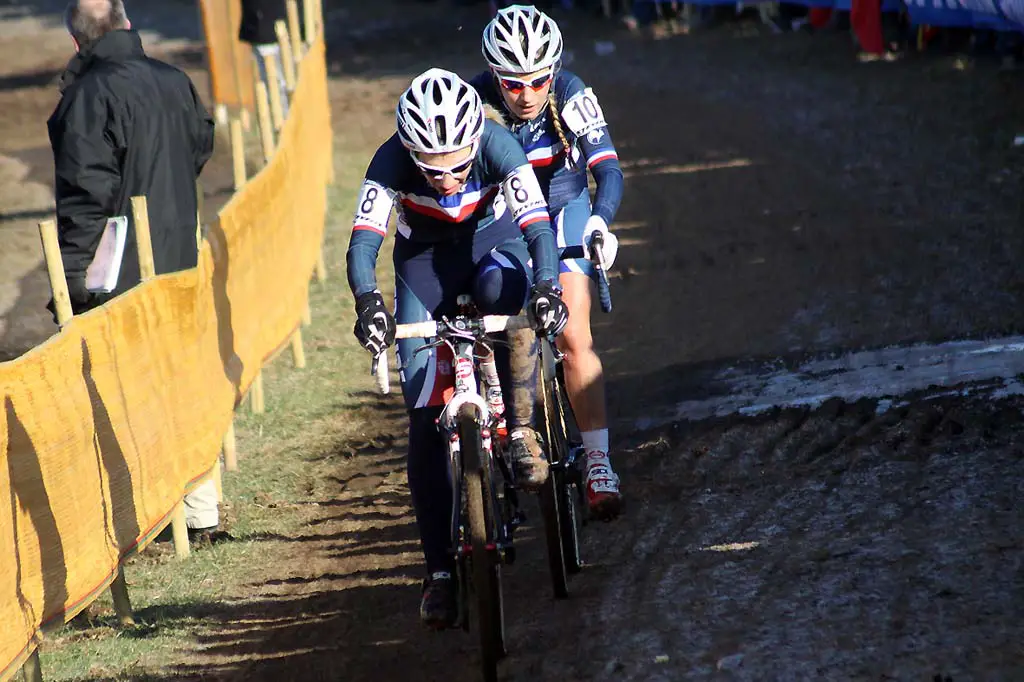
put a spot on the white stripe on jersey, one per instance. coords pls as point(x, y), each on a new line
point(468, 199)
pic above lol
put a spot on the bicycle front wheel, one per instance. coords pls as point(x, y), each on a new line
point(483, 536)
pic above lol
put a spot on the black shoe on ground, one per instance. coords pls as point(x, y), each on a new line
point(439, 607)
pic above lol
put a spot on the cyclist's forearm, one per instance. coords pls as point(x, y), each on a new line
point(361, 261)
point(608, 176)
point(540, 238)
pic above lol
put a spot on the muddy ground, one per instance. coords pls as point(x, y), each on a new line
point(782, 200)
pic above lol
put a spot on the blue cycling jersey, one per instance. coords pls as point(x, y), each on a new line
point(563, 173)
point(501, 186)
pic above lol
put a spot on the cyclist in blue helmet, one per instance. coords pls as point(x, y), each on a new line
point(471, 218)
point(560, 124)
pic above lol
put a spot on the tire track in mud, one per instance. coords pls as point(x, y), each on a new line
point(835, 544)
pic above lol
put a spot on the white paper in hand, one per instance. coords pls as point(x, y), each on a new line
point(101, 275)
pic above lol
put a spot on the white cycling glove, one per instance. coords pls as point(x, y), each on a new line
point(610, 248)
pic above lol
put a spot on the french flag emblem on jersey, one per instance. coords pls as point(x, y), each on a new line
point(545, 151)
point(453, 209)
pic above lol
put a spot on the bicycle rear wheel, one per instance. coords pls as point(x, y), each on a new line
point(483, 536)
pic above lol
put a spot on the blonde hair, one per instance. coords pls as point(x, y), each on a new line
point(492, 113)
point(556, 119)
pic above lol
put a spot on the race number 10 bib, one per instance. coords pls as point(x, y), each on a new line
point(582, 113)
point(522, 191)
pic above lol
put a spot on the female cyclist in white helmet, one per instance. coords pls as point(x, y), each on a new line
point(560, 124)
point(471, 220)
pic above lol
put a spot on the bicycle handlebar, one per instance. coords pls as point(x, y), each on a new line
point(597, 258)
point(429, 329)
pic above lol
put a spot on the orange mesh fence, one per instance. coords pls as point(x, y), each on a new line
point(109, 423)
point(230, 60)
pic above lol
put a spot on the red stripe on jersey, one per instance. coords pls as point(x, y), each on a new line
point(371, 228)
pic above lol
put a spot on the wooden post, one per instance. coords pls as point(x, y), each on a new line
point(230, 455)
point(31, 671)
point(287, 56)
point(309, 21)
point(321, 267)
point(62, 304)
point(238, 153)
point(218, 481)
point(140, 211)
point(256, 394)
point(147, 271)
point(122, 604)
point(274, 90)
point(266, 129)
point(234, 21)
point(180, 532)
point(295, 30)
point(55, 268)
point(298, 353)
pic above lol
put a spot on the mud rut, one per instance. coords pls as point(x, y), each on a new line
point(761, 220)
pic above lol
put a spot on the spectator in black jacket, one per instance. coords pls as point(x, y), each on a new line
point(126, 125)
point(257, 29)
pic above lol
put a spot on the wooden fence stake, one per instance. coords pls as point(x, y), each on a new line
point(267, 136)
point(237, 153)
point(284, 42)
point(31, 671)
point(122, 604)
point(180, 532)
point(274, 90)
point(147, 271)
point(309, 21)
point(298, 353)
point(55, 268)
point(321, 267)
point(230, 455)
point(256, 394)
point(62, 303)
point(294, 30)
point(218, 480)
point(266, 128)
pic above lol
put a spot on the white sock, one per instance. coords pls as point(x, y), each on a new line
point(595, 440)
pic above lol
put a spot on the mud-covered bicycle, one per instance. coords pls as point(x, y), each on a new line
point(563, 496)
point(486, 500)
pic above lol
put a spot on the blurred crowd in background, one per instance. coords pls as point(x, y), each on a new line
point(882, 30)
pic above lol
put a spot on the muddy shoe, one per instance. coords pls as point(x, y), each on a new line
point(602, 485)
point(528, 459)
point(439, 608)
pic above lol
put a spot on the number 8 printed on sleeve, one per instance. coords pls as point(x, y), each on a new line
point(374, 209)
point(522, 192)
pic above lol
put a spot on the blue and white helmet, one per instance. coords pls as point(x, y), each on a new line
point(522, 39)
point(439, 113)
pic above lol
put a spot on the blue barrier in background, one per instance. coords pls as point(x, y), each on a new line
point(994, 15)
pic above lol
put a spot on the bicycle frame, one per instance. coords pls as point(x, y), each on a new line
point(463, 334)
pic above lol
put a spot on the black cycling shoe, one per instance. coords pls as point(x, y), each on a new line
point(439, 607)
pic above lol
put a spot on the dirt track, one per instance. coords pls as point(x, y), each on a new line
point(781, 201)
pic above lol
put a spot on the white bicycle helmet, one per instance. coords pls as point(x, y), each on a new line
point(522, 39)
point(439, 113)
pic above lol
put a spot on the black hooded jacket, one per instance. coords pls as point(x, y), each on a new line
point(126, 125)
